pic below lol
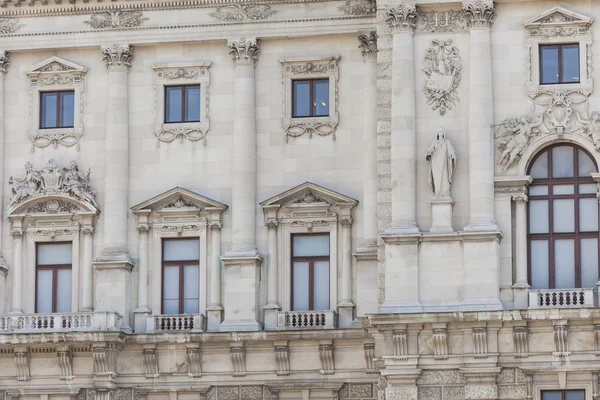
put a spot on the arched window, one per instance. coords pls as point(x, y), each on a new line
point(563, 220)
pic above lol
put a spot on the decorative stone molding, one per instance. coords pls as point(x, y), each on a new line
point(241, 12)
point(359, 7)
point(117, 56)
point(4, 61)
point(441, 21)
point(597, 338)
point(194, 362)
point(309, 68)
point(440, 343)
point(441, 378)
point(442, 66)
point(181, 74)
point(401, 18)
point(282, 358)
point(561, 336)
point(479, 14)
point(480, 347)
point(556, 25)
point(521, 341)
point(65, 362)
point(369, 352)
point(368, 44)
point(512, 185)
point(9, 25)
point(114, 19)
point(21, 358)
point(244, 51)
point(150, 358)
point(56, 74)
point(104, 356)
point(400, 340)
point(238, 358)
point(326, 357)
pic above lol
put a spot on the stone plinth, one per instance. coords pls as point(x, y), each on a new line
point(441, 215)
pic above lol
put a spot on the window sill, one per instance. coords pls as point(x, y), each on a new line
point(171, 131)
point(583, 86)
point(306, 320)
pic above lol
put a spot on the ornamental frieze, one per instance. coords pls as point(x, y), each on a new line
point(116, 19)
point(441, 21)
point(9, 25)
point(241, 12)
point(358, 7)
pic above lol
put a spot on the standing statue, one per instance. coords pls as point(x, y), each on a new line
point(78, 185)
point(442, 161)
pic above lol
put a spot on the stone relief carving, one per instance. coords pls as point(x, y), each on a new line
point(169, 135)
point(180, 73)
point(443, 69)
point(441, 21)
point(368, 44)
point(241, 12)
point(358, 7)
point(565, 112)
point(9, 25)
point(52, 207)
point(4, 61)
point(51, 180)
point(442, 162)
point(116, 19)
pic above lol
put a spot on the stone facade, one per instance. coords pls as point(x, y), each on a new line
point(429, 298)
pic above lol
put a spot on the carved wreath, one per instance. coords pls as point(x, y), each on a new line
point(442, 67)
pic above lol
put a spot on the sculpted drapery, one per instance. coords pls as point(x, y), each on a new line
point(442, 161)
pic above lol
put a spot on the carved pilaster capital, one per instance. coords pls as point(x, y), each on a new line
point(402, 18)
point(244, 51)
point(478, 13)
point(272, 224)
point(17, 233)
point(143, 229)
point(88, 230)
point(4, 61)
point(368, 44)
point(215, 227)
point(520, 198)
point(346, 222)
point(117, 56)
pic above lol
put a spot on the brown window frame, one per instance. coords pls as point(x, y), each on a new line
point(311, 269)
point(560, 64)
point(178, 263)
point(58, 100)
point(183, 104)
point(562, 392)
point(52, 267)
point(550, 197)
point(311, 97)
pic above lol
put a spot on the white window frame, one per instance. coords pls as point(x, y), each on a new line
point(310, 68)
point(543, 30)
point(179, 75)
point(573, 385)
point(56, 74)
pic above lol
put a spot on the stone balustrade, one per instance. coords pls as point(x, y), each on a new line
point(561, 298)
point(298, 320)
point(175, 323)
point(61, 322)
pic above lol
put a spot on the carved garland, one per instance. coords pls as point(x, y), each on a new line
point(115, 19)
point(241, 12)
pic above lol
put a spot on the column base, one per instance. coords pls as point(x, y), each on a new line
point(114, 255)
point(441, 215)
point(242, 252)
point(481, 225)
point(345, 314)
point(480, 305)
point(214, 317)
point(140, 316)
point(271, 311)
point(397, 307)
point(521, 296)
point(113, 278)
point(241, 296)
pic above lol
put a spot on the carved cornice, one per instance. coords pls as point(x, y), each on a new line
point(368, 44)
point(4, 61)
point(113, 19)
point(117, 56)
point(241, 12)
point(244, 51)
point(479, 14)
point(402, 18)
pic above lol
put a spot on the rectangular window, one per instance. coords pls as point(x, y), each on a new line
point(180, 291)
point(563, 395)
point(310, 98)
point(57, 109)
point(182, 104)
point(559, 63)
point(310, 272)
point(53, 277)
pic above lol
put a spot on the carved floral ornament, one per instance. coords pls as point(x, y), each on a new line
point(244, 50)
point(117, 56)
point(9, 25)
point(114, 19)
point(358, 7)
point(242, 12)
point(368, 44)
point(402, 17)
point(442, 66)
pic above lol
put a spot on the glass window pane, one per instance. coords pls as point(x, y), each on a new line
point(570, 63)
point(63, 290)
point(43, 298)
point(588, 215)
point(173, 102)
point(300, 289)
point(49, 104)
point(321, 100)
point(539, 169)
point(301, 100)
point(586, 165)
point(541, 190)
point(67, 109)
point(538, 216)
point(190, 289)
point(192, 103)
point(176, 250)
point(563, 189)
point(588, 188)
point(564, 263)
point(539, 264)
point(589, 262)
point(321, 285)
point(562, 162)
point(54, 254)
point(551, 396)
point(564, 215)
point(575, 395)
point(311, 245)
point(549, 64)
point(170, 290)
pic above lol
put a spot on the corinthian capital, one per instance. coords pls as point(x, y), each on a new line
point(368, 44)
point(478, 13)
point(4, 60)
point(244, 51)
point(402, 17)
point(117, 56)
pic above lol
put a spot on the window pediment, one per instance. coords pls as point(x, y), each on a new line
point(55, 66)
point(40, 205)
point(179, 200)
point(559, 17)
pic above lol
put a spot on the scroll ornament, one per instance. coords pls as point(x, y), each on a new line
point(442, 67)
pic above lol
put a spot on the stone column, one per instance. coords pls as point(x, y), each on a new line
point(272, 306)
point(368, 44)
point(401, 19)
point(243, 211)
point(215, 310)
point(4, 61)
point(480, 16)
point(143, 270)
point(17, 270)
point(346, 307)
point(87, 269)
point(521, 285)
